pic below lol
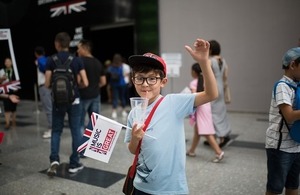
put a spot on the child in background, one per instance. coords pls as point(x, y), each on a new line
point(283, 153)
point(202, 119)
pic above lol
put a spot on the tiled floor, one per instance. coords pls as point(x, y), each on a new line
point(24, 157)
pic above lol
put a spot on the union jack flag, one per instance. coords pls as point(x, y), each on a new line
point(9, 86)
point(67, 8)
point(88, 132)
point(90, 127)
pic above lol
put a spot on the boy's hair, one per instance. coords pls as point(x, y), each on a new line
point(215, 48)
point(39, 50)
point(64, 39)
point(145, 69)
point(148, 62)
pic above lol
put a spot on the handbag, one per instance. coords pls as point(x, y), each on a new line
point(128, 184)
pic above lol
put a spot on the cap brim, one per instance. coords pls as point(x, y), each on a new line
point(137, 60)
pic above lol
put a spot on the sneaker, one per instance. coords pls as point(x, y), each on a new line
point(52, 169)
point(114, 114)
point(218, 158)
point(75, 168)
point(47, 134)
point(124, 113)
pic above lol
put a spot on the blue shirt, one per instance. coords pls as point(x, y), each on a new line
point(41, 61)
point(161, 162)
point(118, 71)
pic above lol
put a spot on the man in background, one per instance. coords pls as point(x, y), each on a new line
point(90, 96)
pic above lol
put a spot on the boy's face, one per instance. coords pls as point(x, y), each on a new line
point(295, 66)
point(148, 84)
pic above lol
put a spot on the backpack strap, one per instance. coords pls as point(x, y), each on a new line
point(133, 167)
point(296, 103)
point(58, 63)
point(275, 85)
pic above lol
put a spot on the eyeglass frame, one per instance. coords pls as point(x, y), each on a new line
point(145, 79)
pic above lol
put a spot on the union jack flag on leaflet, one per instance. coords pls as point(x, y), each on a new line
point(100, 137)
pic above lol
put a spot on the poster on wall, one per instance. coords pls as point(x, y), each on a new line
point(7, 49)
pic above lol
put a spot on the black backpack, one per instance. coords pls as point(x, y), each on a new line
point(62, 82)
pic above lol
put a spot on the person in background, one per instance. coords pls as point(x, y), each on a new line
point(161, 160)
point(118, 85)
point(44, 92)
point(127, 76)
point(61, 42)
point(283, 153)
point(202, 119)
point(7, 75)
point(12, 97)
point(218, 106)
point(90, 96)
point(107, 64)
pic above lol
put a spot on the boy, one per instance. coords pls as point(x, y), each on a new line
point(283, 153)
point(161, 161)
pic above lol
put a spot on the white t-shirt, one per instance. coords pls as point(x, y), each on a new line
point(126, 72)
point(284, 95)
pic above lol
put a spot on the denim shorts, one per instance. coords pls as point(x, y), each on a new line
point(283, 170)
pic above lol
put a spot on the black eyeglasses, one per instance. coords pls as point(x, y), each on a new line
point(141, 80)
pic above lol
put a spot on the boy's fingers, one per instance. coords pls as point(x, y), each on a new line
point(189, 49)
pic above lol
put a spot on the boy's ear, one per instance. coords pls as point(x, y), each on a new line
point(292, 65)
point(164, 82)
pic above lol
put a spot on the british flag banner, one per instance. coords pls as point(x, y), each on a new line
point(101, 139)
point(9, 86)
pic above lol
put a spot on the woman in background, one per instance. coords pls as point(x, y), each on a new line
point(7, 75)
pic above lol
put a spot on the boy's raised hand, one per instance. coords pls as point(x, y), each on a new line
point(200, 52)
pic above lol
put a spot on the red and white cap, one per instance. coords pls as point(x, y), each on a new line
point(148, 59)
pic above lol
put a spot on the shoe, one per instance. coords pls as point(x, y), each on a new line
point(124, 113)
point(47, 134)
point(225, 141)
point(190, 154)
point(218, 158)
point(52, 169)
point(114, 114)
point(75, 168)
